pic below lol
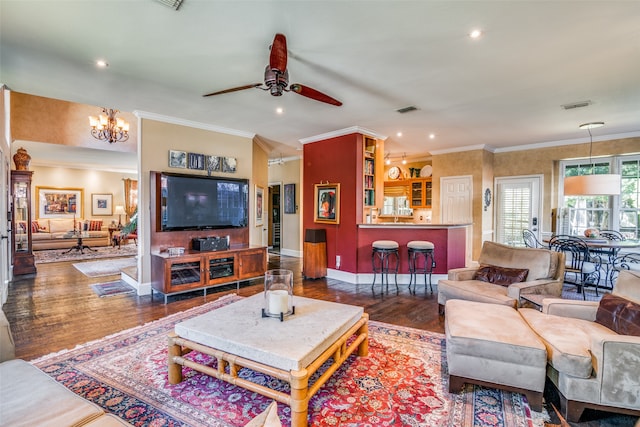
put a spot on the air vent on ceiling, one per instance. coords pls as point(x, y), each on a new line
point(406, 109)
point(173, 4)
point(576, 105)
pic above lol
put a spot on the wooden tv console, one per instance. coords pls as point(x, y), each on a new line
point(194, 270)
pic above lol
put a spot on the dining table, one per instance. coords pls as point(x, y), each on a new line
point(611, 248)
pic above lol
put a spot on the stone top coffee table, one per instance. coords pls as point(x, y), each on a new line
point(238, 336)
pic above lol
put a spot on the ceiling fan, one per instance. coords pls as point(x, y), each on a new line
point(276, 77)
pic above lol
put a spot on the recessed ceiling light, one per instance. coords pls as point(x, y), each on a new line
point(399, 134)
point(432, 135)
point(474, 34)
point(102, 63)
point(279, 110)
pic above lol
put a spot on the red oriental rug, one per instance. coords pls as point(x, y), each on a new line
point(403, 382)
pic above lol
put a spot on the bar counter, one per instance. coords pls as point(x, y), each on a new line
point(449, 240)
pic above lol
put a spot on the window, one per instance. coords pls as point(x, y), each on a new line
point(630, 197)
point(581, 212)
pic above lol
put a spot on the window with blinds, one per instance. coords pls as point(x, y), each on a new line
point(514, 215)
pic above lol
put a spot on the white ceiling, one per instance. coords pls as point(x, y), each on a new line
point(503, 90)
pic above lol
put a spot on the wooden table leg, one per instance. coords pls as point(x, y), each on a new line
point(363, 348)
point(175, 370)
point(299, 400)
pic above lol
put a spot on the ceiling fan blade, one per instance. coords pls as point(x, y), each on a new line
point(235, 89)
point(313, 94)
point(278, 58)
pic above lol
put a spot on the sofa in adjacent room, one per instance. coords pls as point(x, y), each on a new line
point(48, 233)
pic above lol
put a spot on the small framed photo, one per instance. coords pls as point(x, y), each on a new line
point(229, 164)
point(101, 204)
point(177, 159)
point(259, 206)
point(327, 203)
point(213, 163)
point(289, 198)
point(196, 161)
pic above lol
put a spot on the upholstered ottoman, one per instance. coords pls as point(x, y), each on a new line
point(491, 345)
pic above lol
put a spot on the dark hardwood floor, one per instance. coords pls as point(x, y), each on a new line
point(57, 309)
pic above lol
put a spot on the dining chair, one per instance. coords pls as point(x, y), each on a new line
point(607, 255)
point(628, 261)
point(582, 268)
point(530, 239)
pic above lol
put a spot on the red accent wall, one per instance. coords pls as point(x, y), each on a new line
point(336, 160)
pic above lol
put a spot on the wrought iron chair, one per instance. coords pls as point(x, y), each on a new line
point(582, 268)
point(630, 261)
point(607, 255)
point(530, 239)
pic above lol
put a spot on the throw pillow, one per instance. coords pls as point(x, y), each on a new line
point(619, 314)
point(267, 418)
point(35, 227)
point(95, 225)
point(500, 275)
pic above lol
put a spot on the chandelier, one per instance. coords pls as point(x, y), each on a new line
point(107, 127)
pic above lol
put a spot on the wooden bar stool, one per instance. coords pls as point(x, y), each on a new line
point(420, 250)
point(382, 252)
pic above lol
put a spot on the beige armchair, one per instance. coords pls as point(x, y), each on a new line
point(591, 365)
point(545, 276)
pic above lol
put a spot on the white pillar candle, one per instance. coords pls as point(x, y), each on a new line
point(278, 301)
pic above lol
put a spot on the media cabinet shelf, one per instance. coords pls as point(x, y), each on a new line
point(194, 270)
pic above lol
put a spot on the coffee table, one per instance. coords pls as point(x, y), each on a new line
point(79, 246)
point(293, 350)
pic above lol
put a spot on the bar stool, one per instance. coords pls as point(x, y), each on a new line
point(420, 250)
point(382, 251)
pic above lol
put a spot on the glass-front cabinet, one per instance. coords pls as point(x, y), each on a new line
point(421, 193)
point(22, 251)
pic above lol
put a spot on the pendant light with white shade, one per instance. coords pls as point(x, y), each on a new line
point(592, 184)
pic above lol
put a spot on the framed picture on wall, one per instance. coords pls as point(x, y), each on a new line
point(229, 164)
point(177, 159)
point(59, 202)
point(259, 205)
point(289, 198)
point(196, 161)
point(326, 205)
point(101, 204)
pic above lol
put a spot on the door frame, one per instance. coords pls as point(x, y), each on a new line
point(531, 178)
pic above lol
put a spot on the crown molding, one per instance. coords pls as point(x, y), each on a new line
point(572, 141)
point(342, 132)
point(460, 149)
point(192, 124)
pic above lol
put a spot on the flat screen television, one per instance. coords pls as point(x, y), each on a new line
point(191, 202)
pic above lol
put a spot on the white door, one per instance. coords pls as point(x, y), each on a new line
point(455, 200)
point(518, 207)
point(5, 254)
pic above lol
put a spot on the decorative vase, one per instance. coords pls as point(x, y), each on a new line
point(591, 232)
point(22, 159)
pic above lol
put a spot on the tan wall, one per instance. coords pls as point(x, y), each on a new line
point(261, 178)
point(546, 161)
point(39, 119)
point(157, 138)
point(90, 181)
point(291, 226)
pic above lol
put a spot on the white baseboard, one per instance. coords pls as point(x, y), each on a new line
point(141, 288)
point(291, 252)
point(367, 278)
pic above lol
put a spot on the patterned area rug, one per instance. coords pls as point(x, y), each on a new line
point(403, 382)
point(107, 267)
point(58, 255)
point(109, 289)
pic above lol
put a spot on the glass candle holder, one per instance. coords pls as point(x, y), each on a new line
point(278, 294)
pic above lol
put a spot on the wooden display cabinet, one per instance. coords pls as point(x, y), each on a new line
point(171, 275)
point(421, 193)
point(21, 249)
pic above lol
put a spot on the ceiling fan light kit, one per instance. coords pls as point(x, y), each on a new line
point(276, 77)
